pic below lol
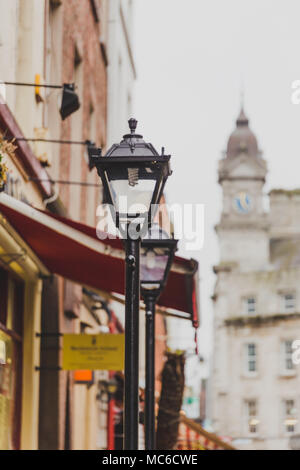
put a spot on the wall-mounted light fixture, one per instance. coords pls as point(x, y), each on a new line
point(70, 101)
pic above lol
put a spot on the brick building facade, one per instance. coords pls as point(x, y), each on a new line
point(76, 26)
point(77, 37)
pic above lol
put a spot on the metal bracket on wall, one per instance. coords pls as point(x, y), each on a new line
point(44, 335)
point(47, 335)
point(41, 368)
point(46, 277)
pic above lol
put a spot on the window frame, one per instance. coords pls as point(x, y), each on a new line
point(249, 417)
point(250, 359)
point(246, 305)
point(286, 356)
point(284, 301)
point(290, 414)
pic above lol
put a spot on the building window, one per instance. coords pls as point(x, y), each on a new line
point(11, 346)
point(250, 305)
point(251, 358)
point(287, 352)
point(290, 419)
point(251, 416)
point(289, 303)
point(55, 3)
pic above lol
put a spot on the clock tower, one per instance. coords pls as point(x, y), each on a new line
point(243, 227)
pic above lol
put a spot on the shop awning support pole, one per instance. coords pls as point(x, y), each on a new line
point(131, 398)
point(150, 301)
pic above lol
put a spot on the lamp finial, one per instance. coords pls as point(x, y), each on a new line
point(132, 125)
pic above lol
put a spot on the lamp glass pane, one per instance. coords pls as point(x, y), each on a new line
point(131, 189)
point(153, 265)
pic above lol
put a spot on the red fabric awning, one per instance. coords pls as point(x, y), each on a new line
point(72, 250)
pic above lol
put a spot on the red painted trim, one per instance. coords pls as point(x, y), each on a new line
point(115, 324)
point(24, 153)
point(188, 438)
point(67, 257)
point(110, 425)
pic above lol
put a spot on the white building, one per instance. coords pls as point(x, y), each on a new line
point(255, 385)
point(121, 68)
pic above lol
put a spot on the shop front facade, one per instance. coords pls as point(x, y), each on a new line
point(21, 275)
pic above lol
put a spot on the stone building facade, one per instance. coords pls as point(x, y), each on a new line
point(121, 70)
point(255, 382)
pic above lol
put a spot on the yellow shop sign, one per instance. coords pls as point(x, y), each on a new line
point(93, 352)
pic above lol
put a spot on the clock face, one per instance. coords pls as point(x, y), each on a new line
point(243, 202)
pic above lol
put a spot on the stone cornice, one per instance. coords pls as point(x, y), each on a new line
point(224, 267)
point(248, 225)
point(224, 176)
point(260, 320)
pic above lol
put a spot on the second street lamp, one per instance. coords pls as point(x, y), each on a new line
point(157, 254)
point(133, 176)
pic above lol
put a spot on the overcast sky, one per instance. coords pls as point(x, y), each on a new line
point(193, 59)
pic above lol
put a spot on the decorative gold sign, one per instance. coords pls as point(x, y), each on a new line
point(93, 352)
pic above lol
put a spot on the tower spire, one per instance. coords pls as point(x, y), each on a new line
point(242, 91)
point(242, 96)
point(242, 119)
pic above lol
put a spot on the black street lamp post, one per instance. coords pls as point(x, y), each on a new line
point(133, 176)
point(157, 253)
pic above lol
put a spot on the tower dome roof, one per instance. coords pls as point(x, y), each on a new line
point(242, 139)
